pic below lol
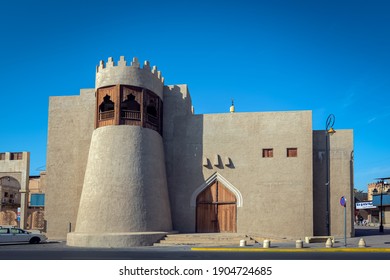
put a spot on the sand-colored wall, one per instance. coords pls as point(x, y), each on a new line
point(277, 198)
point(71, 123)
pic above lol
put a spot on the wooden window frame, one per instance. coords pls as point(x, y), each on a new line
point(16, 156)
point(268, 153)
point(292, 152)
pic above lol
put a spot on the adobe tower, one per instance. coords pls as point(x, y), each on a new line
point(124, 200)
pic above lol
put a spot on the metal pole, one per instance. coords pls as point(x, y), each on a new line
point(327, 185)
point(328, 129)
point(381, 225)
point(345, 225)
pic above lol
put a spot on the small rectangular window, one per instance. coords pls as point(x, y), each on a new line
point(268, 153)
point(292, 152)
point(2, 156)
point(16, 156)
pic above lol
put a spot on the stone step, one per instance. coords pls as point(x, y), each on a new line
point(200, 244)
point(205, 242)
point(206, 235)
point(318, 239)
point(207, 239)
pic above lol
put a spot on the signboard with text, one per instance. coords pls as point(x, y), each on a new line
point(365, 205)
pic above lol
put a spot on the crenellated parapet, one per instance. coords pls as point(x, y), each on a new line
point(126, 160)
point(124, 73)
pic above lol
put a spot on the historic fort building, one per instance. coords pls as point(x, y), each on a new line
point(128, 162)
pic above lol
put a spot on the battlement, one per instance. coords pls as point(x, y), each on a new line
point(134, 64)
point(120, 73)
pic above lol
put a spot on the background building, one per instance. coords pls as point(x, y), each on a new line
point(36, 202)
point(375, 198)
point(14, 174)
point(19, 191)
point(258, 173)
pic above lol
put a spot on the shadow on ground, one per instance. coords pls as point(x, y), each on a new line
point(370, 231)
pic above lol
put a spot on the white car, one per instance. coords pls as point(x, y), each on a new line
point(17, 235)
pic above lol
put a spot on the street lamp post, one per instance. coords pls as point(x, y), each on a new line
point(382, 185)
point(329, 131)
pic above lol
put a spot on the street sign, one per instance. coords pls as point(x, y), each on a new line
point(365, 205)
point(18, 216)
point(343, 201)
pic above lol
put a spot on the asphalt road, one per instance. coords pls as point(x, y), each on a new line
point(378, 248)
point(59, 251)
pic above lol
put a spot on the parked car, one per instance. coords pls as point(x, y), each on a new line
point(10, 234)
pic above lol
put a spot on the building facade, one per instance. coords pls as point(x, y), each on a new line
point(21, 195)
point(36, 202)
point(379, 196)
point(129, 161)
point(14, 178)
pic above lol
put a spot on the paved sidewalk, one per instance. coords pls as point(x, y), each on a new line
point(371, 235)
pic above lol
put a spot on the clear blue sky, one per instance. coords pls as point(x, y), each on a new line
point(325, 56)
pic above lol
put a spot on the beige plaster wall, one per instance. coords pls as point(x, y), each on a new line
point(341, 182)
point(277, 192)
point(125, 73)
point(71, 123)
point(125, 188)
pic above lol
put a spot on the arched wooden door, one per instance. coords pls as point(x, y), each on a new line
point(216, 209)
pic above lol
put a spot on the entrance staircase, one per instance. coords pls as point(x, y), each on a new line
point(205, 239)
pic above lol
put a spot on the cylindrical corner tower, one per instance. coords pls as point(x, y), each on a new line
point(124, 201)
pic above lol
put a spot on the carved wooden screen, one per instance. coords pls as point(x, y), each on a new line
point(152, 111)
point(107, 106)
point(131, 106)
point(128, 105)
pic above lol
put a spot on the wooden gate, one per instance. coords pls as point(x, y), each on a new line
point(216, 209)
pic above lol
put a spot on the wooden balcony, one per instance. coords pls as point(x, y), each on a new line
point(106, 115)
point(131, 115)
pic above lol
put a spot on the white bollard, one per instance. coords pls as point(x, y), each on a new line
point(266, 243)
point(242, 243)
point(299, 244)
point(329, 243)
point(362, 243)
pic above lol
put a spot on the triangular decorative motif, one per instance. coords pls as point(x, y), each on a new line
point(226, 183)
